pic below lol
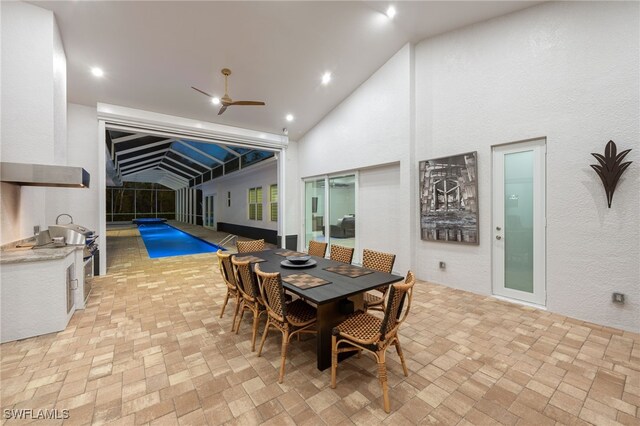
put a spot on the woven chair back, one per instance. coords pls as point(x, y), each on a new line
point(341, 254)
point(316, 248)
point(244, 278)
point(226, 269)
point(398, 295)
point(272, 293)
point(249, 246)
point(378, 261)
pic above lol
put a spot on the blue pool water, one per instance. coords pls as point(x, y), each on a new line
point(150, 220)
point(162, 240)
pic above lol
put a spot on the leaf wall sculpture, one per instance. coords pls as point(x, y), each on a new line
point(610, 168)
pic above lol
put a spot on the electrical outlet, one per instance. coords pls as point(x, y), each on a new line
point(617, 298)
point(36, 229)
point(443, 265)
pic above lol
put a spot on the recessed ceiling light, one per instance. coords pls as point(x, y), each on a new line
point(391, 12)
point(97, 72)
point(326, 78)
point(289, 117)
point(215, 100)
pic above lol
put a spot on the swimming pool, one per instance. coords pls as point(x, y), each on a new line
point(162, 240)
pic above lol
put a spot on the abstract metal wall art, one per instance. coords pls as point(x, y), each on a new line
point(610, 168)
point(449, 199)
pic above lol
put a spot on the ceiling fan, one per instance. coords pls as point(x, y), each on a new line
point(226, 100)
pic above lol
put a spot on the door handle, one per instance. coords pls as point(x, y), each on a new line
point(498, 237)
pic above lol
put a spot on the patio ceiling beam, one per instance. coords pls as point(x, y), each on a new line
point(163, 164)
point(148, 154)
point(158, 175)
point(165, 159)
point(139, 169)
point(140, 163)
point(227, 149)
point(128, 138)
point(146, 146)
point(201, 152)
point(190, 159)
point(172, 178)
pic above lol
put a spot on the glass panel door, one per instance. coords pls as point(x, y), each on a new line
point(342, 210)
point(209, 221)
point(518, 223)
point(519, 230)
point(314, 211)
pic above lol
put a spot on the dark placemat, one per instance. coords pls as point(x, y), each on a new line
point(285, 253)
point(350, 271)
point(304, 281)
point(252, 259)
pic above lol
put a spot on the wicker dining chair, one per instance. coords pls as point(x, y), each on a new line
point(251, 300)
point(229, 278)
point(316, 248)
point(341, 253)
point(249, 246)
point(363, 331)
point(378, 261)
point(290, 318)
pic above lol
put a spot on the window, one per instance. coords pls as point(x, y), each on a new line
point(228, 199)
point(273, 202)
point(255, 203)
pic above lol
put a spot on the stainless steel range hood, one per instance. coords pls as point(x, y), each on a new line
point(44, 175)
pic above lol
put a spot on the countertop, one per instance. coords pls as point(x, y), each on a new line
point(27, 254)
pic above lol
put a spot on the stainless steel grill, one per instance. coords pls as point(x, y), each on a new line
point(72, 235)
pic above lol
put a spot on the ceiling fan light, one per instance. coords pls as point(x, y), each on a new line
point(326, 78)
point(215, 100)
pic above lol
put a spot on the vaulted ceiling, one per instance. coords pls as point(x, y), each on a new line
point(152, 52)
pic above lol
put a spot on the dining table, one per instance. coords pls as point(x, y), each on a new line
point(334, 287)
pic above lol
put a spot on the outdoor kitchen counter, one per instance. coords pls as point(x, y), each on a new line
point(38, 292)
point(27, 254)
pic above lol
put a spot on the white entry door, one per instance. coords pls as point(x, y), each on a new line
point(519, 221)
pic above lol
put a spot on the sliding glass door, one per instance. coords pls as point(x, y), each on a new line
point(314, 211)
point(330, 210)
point(342, 210)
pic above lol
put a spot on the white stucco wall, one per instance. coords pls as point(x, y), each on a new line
point(17, 214)
point(291, 206)
point(565, 71)
point(82, 151)
point(33, 113)
point(379, 215)
point(59, 98)
point(369, 128)
point(568, 72)
point(27, 83)
point(238, 183)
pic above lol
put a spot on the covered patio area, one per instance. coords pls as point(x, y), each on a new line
point(150, 348)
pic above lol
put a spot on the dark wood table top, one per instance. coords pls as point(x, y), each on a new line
point(340, 287)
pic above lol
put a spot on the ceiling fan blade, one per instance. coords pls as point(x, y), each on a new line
point(223, 109)
point(201, 91)
point(247, 103)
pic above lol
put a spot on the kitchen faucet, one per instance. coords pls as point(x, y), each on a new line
point(64, 214)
